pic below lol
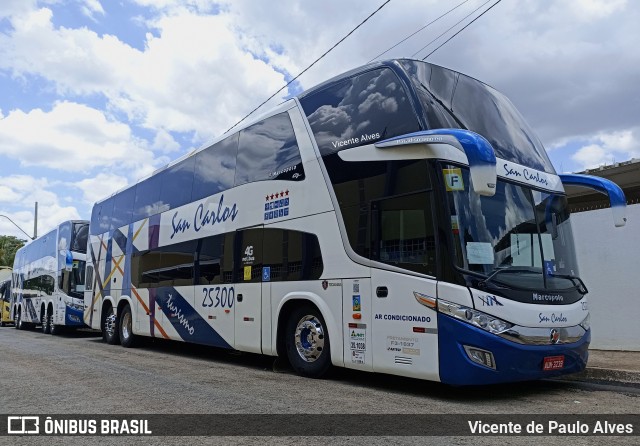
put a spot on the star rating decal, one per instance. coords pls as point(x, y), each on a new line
point(277, 205)
point(281, 194)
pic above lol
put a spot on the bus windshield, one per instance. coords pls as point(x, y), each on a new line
point(519, 238)
point(453, 100)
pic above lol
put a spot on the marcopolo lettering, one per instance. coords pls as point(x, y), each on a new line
point(548, 297)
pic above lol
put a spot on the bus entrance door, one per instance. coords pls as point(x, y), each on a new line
point(248, 290)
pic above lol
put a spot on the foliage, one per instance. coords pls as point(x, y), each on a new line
point(8, 247)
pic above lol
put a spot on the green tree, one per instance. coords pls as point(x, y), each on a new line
point(8, 247)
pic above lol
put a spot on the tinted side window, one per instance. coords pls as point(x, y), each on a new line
point(291, 255)
point(147, 201)
point(215, 168)
point(357, 185)
point(403, 233)
point(123, 208)
point(268, 150)
point(101, 217)
point(360, 110)
point(80, 236)
point(166, 266)
point(177, 182)
point(214, 263)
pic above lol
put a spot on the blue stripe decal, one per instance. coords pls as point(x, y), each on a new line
point(154, 231)
point(612, 190)
point(187, 322)
point(107, 266)
point(120, 240)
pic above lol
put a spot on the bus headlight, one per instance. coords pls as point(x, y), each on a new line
point(476, 318)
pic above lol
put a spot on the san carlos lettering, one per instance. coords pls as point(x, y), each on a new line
point(535, 177)
point(202, 217)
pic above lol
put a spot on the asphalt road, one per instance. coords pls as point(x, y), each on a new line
point(77, 373)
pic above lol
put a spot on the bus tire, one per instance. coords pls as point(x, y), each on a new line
point(110, 327)
point(307, 342)
point(18, 321)
point(127, 338)
point(45, 319)
point(54, 329)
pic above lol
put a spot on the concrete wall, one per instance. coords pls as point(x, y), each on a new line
point(609, 262)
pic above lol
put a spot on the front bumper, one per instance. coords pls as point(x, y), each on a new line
point(514, 362)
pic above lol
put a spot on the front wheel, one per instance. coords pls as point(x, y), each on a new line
point(110, 327)
point(307, 342)
point(127, 338)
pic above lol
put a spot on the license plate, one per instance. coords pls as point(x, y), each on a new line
point(553, 363)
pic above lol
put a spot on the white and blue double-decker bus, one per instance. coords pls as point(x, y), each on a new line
point(400, 218)
point(48, 279)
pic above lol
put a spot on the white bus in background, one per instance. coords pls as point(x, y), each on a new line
point(399, 218)
point(48, 279)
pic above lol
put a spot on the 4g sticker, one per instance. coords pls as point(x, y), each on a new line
point(215, 297)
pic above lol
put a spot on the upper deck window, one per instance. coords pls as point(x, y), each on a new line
point(268, 150)
point(215, 168)
point(359, 110)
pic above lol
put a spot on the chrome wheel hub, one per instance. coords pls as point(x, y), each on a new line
point(309, 338)
point(126, 326)
point(110, 324)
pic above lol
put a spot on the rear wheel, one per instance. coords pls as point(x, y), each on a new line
point(110, 326)
point(307, 342)
point(18, 321)
point(45, 320)
point(127, 338)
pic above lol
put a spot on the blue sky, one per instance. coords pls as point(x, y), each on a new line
point(95, 94)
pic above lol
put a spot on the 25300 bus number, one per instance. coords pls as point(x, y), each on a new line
point(218, 297)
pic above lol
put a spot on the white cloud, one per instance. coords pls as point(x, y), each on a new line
point(196, 76)
point(25, 190)
point(70, 137)
point(164, 142)
point(90, 8)
point(608, 148)
point(100, 186)
point(592, 156)
point(622, 141)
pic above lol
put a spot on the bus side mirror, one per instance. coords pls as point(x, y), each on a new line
point(68, 261)
point(480, 154)
point(607, 187)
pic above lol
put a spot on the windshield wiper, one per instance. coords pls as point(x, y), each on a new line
point(577, 282)
point(508, 269)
